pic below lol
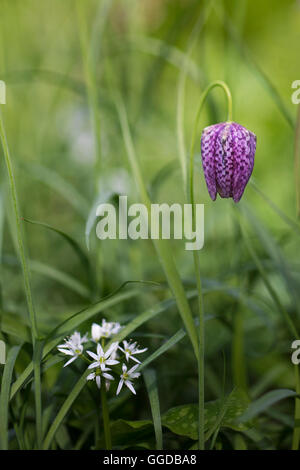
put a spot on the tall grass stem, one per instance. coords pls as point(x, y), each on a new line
point(201, 331)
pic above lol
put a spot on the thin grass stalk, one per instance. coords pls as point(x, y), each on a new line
point(37, 359)
point(201, 330)
point(296, 433)
point(25, 270)
point(289, 322)
point(162, 247)
point(20, 241)
point(297, 162)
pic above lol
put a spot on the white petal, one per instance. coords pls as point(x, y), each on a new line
point(120, 386)
point(111, 349)
point(111, 362)
point(108, 376)
point(93, 355)
point(130, 386)
point(98, 381)
point(100, 351)
point(85, 338)
point(91, 376)
point(71, 360)
point(135, 375)
point(96, 331)
point(135, 359)
point(133, 369)
point(93, 365)
point(124, 368)
point(66, 351)
point(139, 351)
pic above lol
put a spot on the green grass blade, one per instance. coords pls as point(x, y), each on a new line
point(289, 221)
point(151, 385)
point(162, 247)
point(61, 277)
point(20, 241)
point(297, 161)
point(73, 243)
point(37, 358)
point(263, 403)
point(296, 433)
point(64, 410)
point(54, 181)
point(164, 348)
point(4, 395)
point(290, 324)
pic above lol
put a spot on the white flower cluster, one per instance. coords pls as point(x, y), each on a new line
point(102, 359)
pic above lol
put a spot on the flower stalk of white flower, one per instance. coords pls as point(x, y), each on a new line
point(73, 346)
point(130, 349)
point(98, 373)
point(126, 378)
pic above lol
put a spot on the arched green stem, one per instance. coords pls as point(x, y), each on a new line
point(201, 333)
point(217, 83)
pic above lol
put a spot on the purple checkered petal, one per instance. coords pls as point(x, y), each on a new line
point(208, 147)
point(244, 162)
point(228, 158)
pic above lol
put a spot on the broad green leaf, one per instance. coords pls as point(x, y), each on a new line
point(129, 433)
point(183, 420)
point(263, 403)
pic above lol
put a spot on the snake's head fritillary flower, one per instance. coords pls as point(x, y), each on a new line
point(228, 151)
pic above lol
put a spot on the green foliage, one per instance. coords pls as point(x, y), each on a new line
point(183, 420)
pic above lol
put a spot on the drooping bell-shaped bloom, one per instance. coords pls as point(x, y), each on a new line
point(227, 152)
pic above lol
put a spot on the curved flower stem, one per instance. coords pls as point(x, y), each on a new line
point(201, 333)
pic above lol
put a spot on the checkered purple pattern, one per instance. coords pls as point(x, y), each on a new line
point(227, 152)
